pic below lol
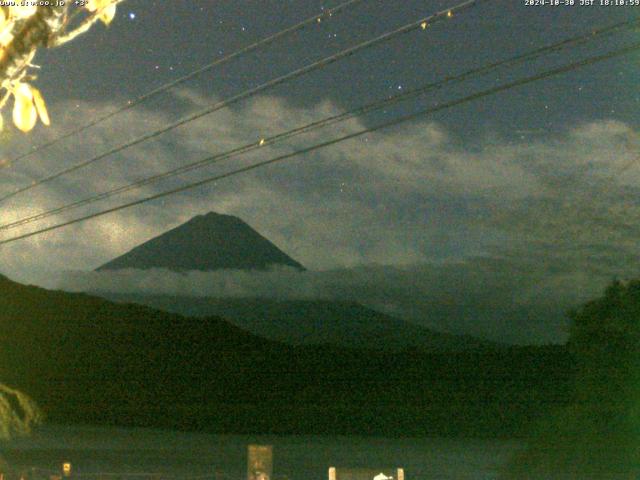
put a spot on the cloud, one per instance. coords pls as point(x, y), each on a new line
point(501, 300)
point(565, 205)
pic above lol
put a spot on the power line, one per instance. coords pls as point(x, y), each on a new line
point(179, 81)
point(417, 25)
point(529, 55)
point(475, 96)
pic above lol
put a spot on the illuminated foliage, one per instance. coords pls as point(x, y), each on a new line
point(18, 413)
point(24, 29)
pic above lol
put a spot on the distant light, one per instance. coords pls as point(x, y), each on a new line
point(449, 14)
point(132, 16)
point(423, 25)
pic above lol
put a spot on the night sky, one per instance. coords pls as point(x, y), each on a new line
point(490, 218)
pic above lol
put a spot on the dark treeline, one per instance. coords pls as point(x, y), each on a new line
point(596, 435)
point(86, 360)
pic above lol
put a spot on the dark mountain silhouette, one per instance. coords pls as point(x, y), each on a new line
point(85, 360)
point(206, 242)
point(214, 241)
point(313, 322)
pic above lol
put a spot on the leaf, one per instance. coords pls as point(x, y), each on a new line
point(106, 9)
point(20, 12)
point(95, 5)
point(107, 14)
point(41, 106)
point(24, 111)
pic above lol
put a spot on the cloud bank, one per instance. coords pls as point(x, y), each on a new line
point(558, 212)
point(494, 299)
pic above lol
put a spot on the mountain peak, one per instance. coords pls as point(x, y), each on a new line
point(213, 216)
point(207, 242)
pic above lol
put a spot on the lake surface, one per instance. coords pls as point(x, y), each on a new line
point(140, 453)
